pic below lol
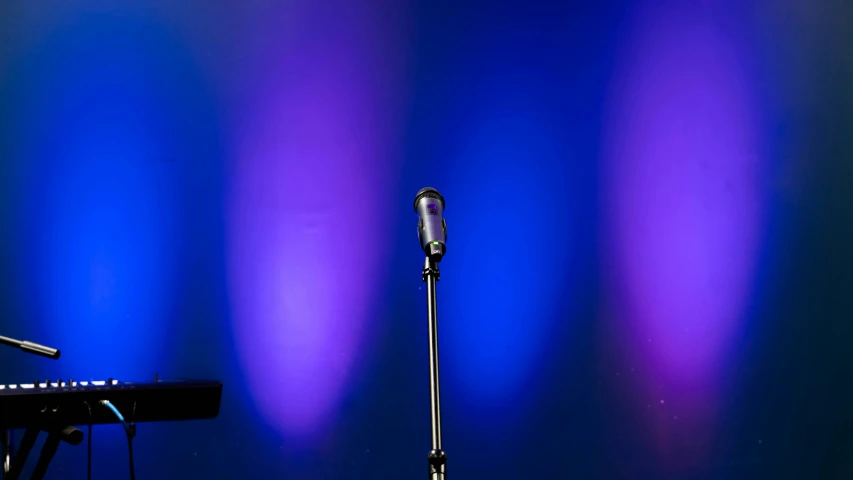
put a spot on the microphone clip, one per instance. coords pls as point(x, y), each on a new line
point(430, 270)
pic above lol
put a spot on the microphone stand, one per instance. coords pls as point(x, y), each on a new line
point(437, 459)
point(6, 440)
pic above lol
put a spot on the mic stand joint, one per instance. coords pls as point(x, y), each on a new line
point(430, 269)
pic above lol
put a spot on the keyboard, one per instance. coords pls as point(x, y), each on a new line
point(71, 403)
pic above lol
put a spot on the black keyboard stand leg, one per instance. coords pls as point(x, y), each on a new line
point(47, 453)
point(6, 452)
point(71, 435)
point(18, 461)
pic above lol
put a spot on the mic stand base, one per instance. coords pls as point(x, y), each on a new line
point(437, 464)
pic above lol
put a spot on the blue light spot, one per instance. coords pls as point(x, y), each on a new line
point(98, 210)
point(508, 248)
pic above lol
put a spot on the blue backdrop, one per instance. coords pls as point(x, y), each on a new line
point(649, 231)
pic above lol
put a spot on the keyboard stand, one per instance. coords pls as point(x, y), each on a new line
point(20, 458)
point(71, 435)
point(15, 464)
point(6, 435)
point(7, 450)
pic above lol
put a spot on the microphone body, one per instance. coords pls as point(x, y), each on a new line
point(31, 347)
point(40, 350)
point(432, 228)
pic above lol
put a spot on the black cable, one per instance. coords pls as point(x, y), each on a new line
point(89, 456)
point(130, 452)
point(132, 430)
point(129, 433)
point(89, 445)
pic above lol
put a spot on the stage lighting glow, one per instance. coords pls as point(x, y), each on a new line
point(508, 250)
point(96, 212)
point(683, 172)
point(306, 211)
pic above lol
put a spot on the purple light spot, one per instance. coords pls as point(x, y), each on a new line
point(306, 212)
point(684, 201)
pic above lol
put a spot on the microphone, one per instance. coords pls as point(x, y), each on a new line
point(432, 232)
point(432, 228)
point(31, 347)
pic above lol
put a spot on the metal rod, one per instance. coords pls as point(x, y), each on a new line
point(435, 400)
point(437, 460)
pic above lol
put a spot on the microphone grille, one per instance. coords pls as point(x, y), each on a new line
point(428, 192)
